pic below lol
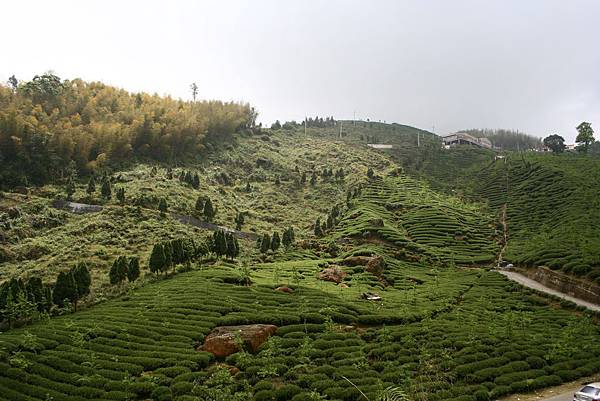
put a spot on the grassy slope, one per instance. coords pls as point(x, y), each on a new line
point(552, 201)
point(45, 240)
point(439, 333)
point(553, 210)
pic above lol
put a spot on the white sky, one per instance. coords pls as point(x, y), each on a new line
point(532, 65)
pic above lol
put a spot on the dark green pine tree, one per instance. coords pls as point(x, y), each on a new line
point(313, 179)
point(292, 234)
point(275, 241)
point(239, 221)
point(168, 249)
point(188, 177)
point(182, 176)
point(121, 195)
point(222, 244)
point(303, 179)
point(65, 289)
point(196, 181)
point(34, 289)
point(113, 273)
point(122, 268)
point(286, 238)
point(230, 241)
point(169, 173)
point(70, 189)
point(91, 187)
point(318, 229)
point(370, 173)
point(178, 251)
point(199, 204)
point(157, 259)
point(106, 190)
point(163, 206)
point(133, 270)
point(236, 247)
point(209, 211)
point(83, 279)
point(248, 187)
point(265, 245)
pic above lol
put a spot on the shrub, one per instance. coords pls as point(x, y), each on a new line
point(162, 394)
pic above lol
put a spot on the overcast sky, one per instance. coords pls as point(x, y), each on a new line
point(531, 65)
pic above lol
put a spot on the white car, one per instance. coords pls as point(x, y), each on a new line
point(590, 392)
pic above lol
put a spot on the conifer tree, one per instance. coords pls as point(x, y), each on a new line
point(34, 290)
point(209, 211)
point(169, 173)
point(313, 179)
point(370, 173)
point(178, 252)
point(116, 271)
point(121, 195)
point(91, 187)
point(196, 181)
point(248, 187)
point(123, 267)
point(182, 176)
point(157, 259)
point(70, 189)
point(275, 242)
point(105, 190)
point(231, 246)
point(303, 179)
point(277, 181)
point(65, 289)
point(236, 247)
point(318, 229)
point(168, 250)
point(83, 279)
point(265, 245)
point(199, 204)
point(133, 270)
point(163, 206)
point(188, 177)
point(239, 221)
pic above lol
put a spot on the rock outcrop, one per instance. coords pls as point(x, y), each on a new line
point(225, 340)
point(332, 273)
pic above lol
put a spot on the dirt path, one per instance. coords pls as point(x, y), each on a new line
point(83, 208)
point(504, 233)
point(527, 282)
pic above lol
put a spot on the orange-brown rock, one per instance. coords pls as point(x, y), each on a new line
point(224, 341)
point(356, 260)
point(285, 289)
point(332, 273)
point(376, 265)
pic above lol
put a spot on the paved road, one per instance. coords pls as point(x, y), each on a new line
point(563, 397)
point(527, 282)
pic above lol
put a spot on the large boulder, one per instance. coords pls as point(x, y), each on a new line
point(285, 289)
point(373, 264)
point(224, 341)
point(376, 265)
point(332, 273)
point(356, 260)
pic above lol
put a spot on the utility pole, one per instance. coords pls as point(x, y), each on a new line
point(418, 139)
point(354, 118)
point(341, 125)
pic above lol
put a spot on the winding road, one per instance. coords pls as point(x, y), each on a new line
point(527, 282)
